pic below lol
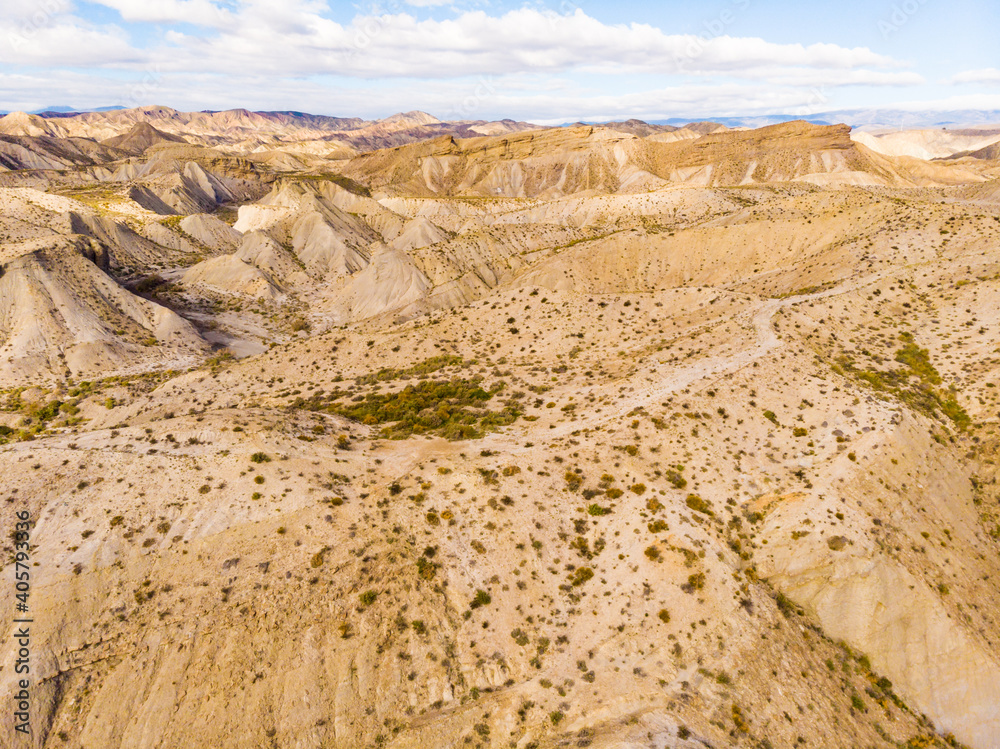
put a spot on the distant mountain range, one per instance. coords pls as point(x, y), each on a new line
point(248, 131)
point(63, 109)
point(860, 119)
point(863, 119)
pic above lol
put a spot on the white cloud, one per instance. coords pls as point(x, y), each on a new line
point(67, 44)
point(831, 78)
point(985, 102)
point(39, 13)
point(984, 75)
point(197, 12)
point(676, 101)
point(535, 64)
point(296, 40)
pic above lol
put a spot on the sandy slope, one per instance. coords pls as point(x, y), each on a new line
point(741, 491)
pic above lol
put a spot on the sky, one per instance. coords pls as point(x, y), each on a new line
point(544, 61)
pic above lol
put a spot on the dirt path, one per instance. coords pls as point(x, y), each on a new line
point(674, 378)
point(671, 378)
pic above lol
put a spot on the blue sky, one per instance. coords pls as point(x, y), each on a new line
point(544, 60)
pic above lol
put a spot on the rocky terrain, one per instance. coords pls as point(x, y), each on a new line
point(407, 434)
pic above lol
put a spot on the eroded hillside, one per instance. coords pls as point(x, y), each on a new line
point(610, 437)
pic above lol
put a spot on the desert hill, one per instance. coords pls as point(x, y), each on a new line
point(30, 125)
point(549, 163)
point(141, 137)
point(45, 152)
point(635, 127)
point(244, 131)
point(987, 153)
point(927, 144)
point(589, 436)
point(56, 296)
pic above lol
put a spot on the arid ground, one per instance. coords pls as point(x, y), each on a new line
point(339, 433)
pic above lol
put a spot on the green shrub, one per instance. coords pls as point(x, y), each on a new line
point(785, 605)
point(489, 477)
point(916, 383)
point(482, 598)
point(455, 410)
point(917, 360)
point(573, 480)
point(698, 504)
point(696, 581)
point(675, 478)
point(426, 568)
point(426, 367)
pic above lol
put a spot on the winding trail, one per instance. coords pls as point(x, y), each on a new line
point(675, 378)
point(672, 378)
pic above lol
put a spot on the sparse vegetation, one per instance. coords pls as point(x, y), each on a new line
point(527, 515)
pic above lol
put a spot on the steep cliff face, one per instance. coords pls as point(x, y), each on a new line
point(891, 594)
point(62, 315)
